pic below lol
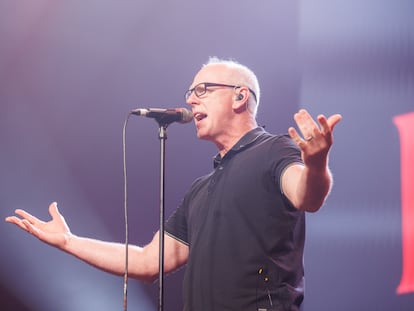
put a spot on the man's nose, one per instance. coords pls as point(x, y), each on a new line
point(192, 99)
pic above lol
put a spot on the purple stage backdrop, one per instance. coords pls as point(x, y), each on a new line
point(70, 71)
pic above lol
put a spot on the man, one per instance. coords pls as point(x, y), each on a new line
point(240, 229)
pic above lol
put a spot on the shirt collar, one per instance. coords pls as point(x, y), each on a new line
point(246, 140)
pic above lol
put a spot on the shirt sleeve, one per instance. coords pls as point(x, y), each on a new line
point(176, 225)
point(287, 153)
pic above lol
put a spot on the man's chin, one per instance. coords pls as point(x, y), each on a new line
point(202, 135)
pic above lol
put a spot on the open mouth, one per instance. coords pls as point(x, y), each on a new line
point(199, 116)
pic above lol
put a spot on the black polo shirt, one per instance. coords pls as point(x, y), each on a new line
point(246, 240)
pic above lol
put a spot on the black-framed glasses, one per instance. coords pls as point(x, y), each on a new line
point(201, 89)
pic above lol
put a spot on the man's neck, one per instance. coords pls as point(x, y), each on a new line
point(232, 136)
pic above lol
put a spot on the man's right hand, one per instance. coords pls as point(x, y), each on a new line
point(54, 232)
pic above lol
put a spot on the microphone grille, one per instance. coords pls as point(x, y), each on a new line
point(187, 116)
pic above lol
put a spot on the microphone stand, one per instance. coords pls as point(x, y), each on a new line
point(162, 135)
point(163, 119)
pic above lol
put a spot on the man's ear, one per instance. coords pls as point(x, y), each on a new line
point(240, 99)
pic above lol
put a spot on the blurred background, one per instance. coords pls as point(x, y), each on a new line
point(70, 71)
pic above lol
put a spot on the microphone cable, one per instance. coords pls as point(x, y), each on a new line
point(125, 286)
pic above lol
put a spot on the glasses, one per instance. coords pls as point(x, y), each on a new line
point(201, 89)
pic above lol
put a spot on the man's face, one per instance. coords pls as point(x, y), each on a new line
point(212, 110)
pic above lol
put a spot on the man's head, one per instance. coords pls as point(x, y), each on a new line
point(239, 75)
point(224, 97)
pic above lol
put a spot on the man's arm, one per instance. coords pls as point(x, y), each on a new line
point(308, 186)
point(107, 256)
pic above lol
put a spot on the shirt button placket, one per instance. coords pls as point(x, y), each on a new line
point(213, 180)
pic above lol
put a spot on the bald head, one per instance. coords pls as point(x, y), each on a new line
point(232, 72)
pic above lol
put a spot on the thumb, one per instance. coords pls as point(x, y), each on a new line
point(53, 210)
point(333, 120)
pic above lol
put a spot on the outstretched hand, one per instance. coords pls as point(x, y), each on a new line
point(316, 138)
point(54, 232)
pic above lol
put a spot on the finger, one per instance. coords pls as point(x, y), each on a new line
point(294, 134)
point(16, 221)
point(32, 229)
point(13, 220)
point(296, 137)
point(304, 117)
point(327, 125)
point(323, 122)
point(306, 123)
point(25, 215)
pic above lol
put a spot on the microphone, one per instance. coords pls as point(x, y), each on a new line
point(166, 116)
